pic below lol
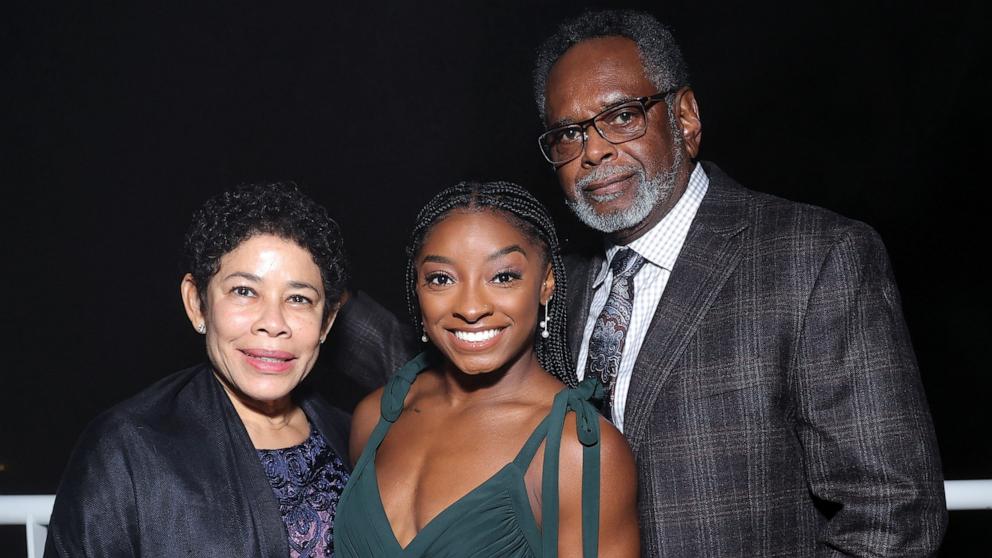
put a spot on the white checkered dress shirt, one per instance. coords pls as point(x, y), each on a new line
point(660, 246)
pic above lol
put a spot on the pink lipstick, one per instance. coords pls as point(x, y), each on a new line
point(269, 361)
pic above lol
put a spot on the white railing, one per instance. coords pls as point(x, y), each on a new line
point(968, 494)
point(34, 511)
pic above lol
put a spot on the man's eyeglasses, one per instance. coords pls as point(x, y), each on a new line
point(624, 122)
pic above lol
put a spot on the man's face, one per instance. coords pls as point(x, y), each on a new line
point(614, 188)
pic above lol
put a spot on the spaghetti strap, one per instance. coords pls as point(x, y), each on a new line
point(526, 454)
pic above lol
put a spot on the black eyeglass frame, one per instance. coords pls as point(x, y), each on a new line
point(645, 102)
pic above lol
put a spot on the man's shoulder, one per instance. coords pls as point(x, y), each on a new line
point(774, 226)
point(773, 217)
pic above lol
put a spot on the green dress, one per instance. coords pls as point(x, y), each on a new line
point(495, 518)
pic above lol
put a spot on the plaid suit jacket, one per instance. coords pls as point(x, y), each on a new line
point(775, 407)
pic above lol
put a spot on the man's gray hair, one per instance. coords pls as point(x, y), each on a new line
point(660, 54)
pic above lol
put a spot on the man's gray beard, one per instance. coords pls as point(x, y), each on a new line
point(647, 195)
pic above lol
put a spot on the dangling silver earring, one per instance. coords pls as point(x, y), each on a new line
point(543, 324)
point(202, 328)
point(423, 336)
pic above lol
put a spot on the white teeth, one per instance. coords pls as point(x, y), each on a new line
point(270, 359)
point(476, 336)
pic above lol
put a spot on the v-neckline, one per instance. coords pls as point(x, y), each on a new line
point(381, 508)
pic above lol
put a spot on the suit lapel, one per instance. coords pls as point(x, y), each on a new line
point(711, 252)
point(581, 274)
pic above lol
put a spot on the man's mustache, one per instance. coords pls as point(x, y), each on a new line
point(602, 173)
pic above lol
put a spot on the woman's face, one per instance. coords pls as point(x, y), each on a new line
point(263, 317)
point(480, 284)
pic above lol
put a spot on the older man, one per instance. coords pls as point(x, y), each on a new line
point(753, 349)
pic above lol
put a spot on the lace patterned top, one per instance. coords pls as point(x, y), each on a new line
point(307, 480)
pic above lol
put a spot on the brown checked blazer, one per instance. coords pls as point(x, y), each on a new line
point(775, 407)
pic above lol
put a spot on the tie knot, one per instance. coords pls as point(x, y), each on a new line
point(626, 263)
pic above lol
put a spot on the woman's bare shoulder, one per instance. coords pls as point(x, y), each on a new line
point(615, 456)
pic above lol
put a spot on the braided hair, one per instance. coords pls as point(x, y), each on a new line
point(529, 216)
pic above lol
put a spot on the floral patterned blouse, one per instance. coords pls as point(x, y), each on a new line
point(307, 480)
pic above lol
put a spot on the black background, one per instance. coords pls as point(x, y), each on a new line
point(120, 120)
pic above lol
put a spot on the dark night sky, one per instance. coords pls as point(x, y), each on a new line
point(120, 120)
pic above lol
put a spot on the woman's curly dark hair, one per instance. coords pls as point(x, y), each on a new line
point(281, 209)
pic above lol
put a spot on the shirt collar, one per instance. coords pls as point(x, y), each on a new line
point(661, 244)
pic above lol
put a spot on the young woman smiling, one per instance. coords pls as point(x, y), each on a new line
point(470, 449)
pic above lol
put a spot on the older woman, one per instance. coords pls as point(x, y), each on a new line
point(232, 457)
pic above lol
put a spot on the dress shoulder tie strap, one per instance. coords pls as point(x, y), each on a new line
point(390, 406)
point(587, 430)
point(394, 394)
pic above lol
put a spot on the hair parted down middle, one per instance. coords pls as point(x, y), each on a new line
point(530, 216)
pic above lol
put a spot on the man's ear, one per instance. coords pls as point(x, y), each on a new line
point(548, 286)
point(191, 301)
point(687, 112)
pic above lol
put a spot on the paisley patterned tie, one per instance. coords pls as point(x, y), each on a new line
point(606, 342)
